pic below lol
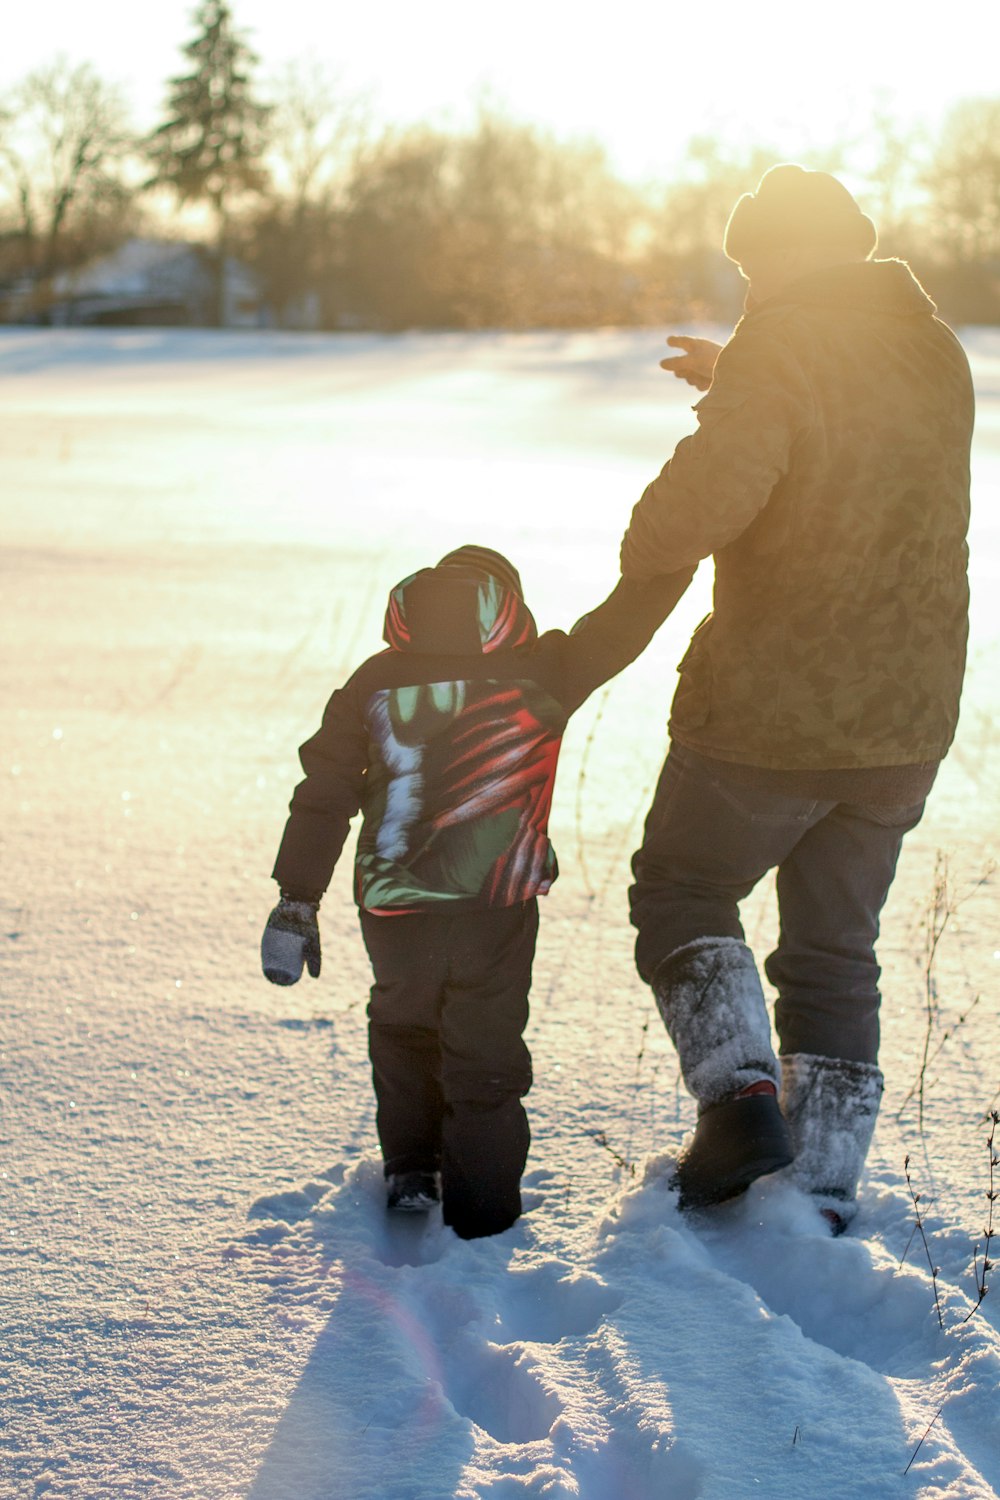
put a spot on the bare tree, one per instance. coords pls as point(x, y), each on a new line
point(317, 129)
point(64, 135)
point(894, 192)
point(963, 180)
point(542, 230)
point(684, 259)
point(398, 232)
point(956, 251)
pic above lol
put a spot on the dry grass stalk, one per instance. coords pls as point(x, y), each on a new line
point(581, 854)
point(602, 1140)
point(943, 907)
point(988, 1232)
point(927, 1249)
point(927, 1429)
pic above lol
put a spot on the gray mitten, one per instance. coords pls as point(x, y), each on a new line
point(290, 941)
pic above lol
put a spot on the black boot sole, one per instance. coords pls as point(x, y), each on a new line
point(735, 1142)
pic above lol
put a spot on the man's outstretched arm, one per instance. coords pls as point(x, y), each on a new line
point(604, 641)
point(696, 364)
point(724, 474)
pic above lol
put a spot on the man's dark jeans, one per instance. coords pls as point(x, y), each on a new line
point(710, 837)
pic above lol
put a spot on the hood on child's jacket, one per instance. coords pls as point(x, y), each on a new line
point(458, 610)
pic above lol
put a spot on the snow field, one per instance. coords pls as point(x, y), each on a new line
point(201, 1295)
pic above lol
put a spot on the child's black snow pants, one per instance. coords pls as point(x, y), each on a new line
point(449, 1064)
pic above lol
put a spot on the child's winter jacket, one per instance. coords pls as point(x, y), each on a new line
point(448, 741)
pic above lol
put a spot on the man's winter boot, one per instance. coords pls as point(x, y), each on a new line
point(831, 1105)
point(710, 997)
point(735, 1141)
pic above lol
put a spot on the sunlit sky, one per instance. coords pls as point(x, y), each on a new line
point(641, 77)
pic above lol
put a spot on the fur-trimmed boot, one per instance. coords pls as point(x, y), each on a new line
point(710, 997)
point(831, 1105)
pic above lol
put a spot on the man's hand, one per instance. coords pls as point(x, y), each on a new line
point(697, 362)
point(290, 942)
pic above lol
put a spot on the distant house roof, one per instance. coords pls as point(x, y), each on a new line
point(132, 270)
point(153, 280)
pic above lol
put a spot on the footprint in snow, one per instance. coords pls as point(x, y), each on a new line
point(499, 1390)
point(410, 1239)
point(484, 1329)
point(545, 1304)
point(290, 1205)
point(845, 1294)
point(629, 1465)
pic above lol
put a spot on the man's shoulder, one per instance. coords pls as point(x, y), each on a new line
point(765, 333)
point(766, 349)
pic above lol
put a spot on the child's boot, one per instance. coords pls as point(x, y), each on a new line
point(485, 1150)
point(412, 1192)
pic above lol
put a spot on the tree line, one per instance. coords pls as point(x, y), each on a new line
point(499, 224)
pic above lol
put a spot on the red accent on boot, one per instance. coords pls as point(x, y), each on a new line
point(762, 1086)
point(836, 1221)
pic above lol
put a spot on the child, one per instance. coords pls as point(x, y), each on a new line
point(448, 741)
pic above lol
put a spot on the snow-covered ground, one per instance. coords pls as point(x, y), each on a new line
point(201, 1295)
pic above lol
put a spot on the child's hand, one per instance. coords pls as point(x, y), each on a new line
point(697, 362)
point(291, 942)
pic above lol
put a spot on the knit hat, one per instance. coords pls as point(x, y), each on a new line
point(793, 207)
point(485, 560)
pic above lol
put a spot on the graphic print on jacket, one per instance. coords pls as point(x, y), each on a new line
point(460, 787)
point(447, 743)
point(461, 772)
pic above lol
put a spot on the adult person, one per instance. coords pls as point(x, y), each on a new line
point(829, 478)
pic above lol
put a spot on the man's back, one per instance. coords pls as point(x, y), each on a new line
point(830, 479)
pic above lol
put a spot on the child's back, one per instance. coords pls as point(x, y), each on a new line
point(449, 740)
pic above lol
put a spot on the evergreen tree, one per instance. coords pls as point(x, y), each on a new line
point(210, 149)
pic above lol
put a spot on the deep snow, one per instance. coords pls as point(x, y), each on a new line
point(201, 1295)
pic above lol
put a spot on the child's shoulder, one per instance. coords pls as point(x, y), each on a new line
point(391, 668)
